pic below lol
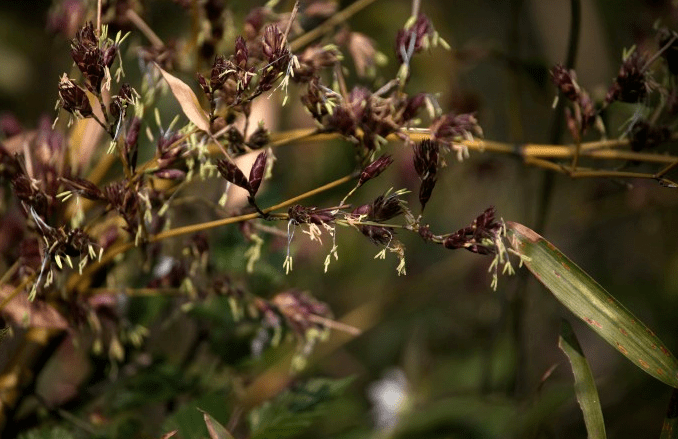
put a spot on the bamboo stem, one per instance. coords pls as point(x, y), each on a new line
point(336, 19)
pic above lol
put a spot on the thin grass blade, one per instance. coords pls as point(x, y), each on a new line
point(584, 385)
point(670, 427)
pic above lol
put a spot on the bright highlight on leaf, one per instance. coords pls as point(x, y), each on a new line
point(590, 302)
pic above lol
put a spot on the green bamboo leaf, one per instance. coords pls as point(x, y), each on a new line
point(670, 427)
point(590, 302)
point(584, 385)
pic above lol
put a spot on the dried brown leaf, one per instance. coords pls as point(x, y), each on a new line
point(363, 52)
point(28, 314)
point(187, 100)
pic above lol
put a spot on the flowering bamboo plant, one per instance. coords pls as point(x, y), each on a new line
point(95, 217)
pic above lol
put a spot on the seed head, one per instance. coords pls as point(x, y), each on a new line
point(73, 98)
point(83, 187)
point(632, 83)
point(413, 39)
point(375, 168)
point(92, 60)
point(233, 174)
point(478, 237)
point(259, 137)
point(566, 81)
point(257, 172)
point(454, 128)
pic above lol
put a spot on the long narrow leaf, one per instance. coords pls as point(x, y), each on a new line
point(584, 385)
point(590, 302)
point(670, 427)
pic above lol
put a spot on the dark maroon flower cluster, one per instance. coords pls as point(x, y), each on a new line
point(310, 215)
point(374, 169)
point(126, 96)
point(233, 174)
point(94, 56)
point(124, 198)
point(632, 83)
point(313, 60)
point(73, 98)
point(566, 81)
point(83, 188)
point(364, 117)
point(47, 162)
point(64, 242)
point(92, 59)
point(479, 237)
point(426, 162)
point(60, 246)
point(451, 128)
point(229, 78)
point(131, 146)
point(169, 149)
point(585, 112)
point(411, 40)
point(383, 208)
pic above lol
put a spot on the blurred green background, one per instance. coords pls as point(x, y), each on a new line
point(470, 360)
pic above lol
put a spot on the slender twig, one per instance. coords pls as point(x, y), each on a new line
point(596, 173)
point(99, 17)
point(658, 53)
point(76, 281)
point(575, 156)
point(16, 291)
point(620, 174)
point(325, 27)
point(667, 169)
point(135, 292)
point(416, 5)
point(67, 416)
point(598, 149)
point(293, 16)
point(557, 122)
point(279, 139)
point(9, 273)
point(144, 28)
